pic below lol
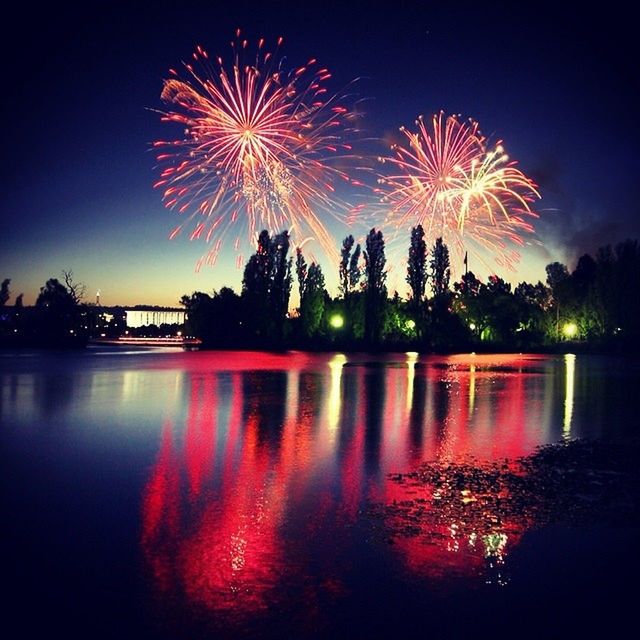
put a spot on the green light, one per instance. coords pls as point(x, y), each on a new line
point(336, 321)
point(570, 329)
point(410, 324)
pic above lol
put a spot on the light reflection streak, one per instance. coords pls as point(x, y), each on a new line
point(472, 388)
point(570, 373)
point(412, 358)
point(334, 397)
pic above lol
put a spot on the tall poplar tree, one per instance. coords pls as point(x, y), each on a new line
point(375, 287)
point(417, 267)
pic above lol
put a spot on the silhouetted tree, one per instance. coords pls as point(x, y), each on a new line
point(4, 291)
point(439, 268)
point(558, 281)
point(215, 319)
point(469, 285)
point(584, 275)
point(349, 271)
point(531, 301)
point(301, 272)
point(417, 267)
point(355, 272)
point(281, 282)
point(313, 302)
point(54, 295)
point(504, 319)
point(582, 303)
point(312, 294)
point(445, 328)
point(345, 254)
point(266, 286)
point(57, 321)
point(76, 289)
point(557, 273)
point(376, 290)
point(199, 321)
point(18, 304)
point(470, 304)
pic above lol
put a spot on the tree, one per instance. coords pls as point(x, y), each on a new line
point(301, 272)
point(583, 306)
point(417, 267)
point(199, 320)
point(469, 285)
point(57, 320)
point(349, 272)
point(345, 252)
point(312, 294)
point(18, 304)
point(76, 289)
point(5, 294)
point(533, 301)
point(469, 303)
point(376, 290)
point(558, 281)
point(355, 273)
point(503, 310)
point(313, 302)
point(54, 295)
point(281, 281)
point(439, 270)
point(266, 286)
point(215, 319)
point(557, 275)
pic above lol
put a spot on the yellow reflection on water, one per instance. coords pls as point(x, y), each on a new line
point(472, 388)
point(334, 399)
point(293, 385)
point(412, 358)
point(570, 372)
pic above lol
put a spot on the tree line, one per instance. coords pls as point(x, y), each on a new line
point(57, 319)
point(594, 305)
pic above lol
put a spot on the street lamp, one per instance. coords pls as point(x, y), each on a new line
point(336, 321)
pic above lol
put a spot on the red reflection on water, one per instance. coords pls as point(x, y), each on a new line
point(232, 555)
point(200, 437)
point(475, 408)
point(258, 491)
point(160, 510)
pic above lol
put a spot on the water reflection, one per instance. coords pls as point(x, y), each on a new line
point(274, 487)
point(258, 493)
point(570, 365)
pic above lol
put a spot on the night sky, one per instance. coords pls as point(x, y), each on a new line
point(557, 86)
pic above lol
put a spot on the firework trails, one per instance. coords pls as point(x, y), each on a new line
point(448, 180)
point(256, 151)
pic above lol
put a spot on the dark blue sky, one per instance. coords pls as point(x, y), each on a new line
point(557, 85)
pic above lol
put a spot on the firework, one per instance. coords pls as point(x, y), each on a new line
point(257, 148)
point(451, 183)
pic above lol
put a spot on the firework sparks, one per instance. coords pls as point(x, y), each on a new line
point(257, 148)
point(448, 180)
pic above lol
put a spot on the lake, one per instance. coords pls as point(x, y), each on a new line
point(169, 494)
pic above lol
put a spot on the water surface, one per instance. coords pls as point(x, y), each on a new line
point(225, 494)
